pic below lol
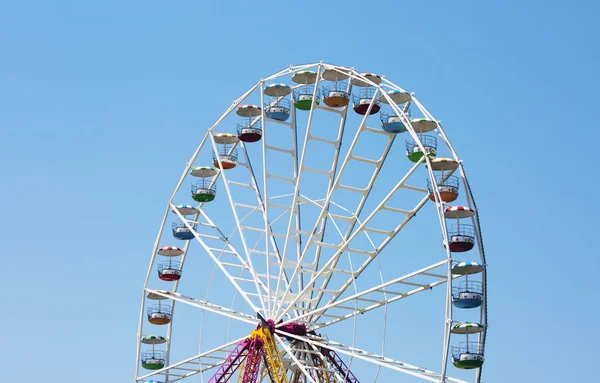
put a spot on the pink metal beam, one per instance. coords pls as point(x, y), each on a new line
point(233, 361)
point(253, 361)
point(339, 364)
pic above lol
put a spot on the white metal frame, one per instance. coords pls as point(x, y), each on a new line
point(301, 291)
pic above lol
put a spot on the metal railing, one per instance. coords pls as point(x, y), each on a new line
point(427, 141)
point(364, 94)
point(180, 225)
point(169, 265)
point(386, 113)
point(248, 124)
point(335, 86)
point(462, 230)
point(204, 184)
point(159, 309)
point(305, 90)
point(467, 287)
point(273, 105)
point(451, 181)
point(226, 150)
point(155, 355)
point(474, 348)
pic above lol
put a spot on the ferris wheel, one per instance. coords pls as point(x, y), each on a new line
point(303, 252)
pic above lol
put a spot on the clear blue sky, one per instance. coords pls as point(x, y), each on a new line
point(102, 103)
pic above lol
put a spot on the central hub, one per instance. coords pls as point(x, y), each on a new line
point(298, 329)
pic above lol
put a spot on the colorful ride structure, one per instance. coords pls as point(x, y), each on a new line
point(260, 350)
point(296, 238)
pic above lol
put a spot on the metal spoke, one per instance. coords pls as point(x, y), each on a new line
point(390, 288)
point(212, 361)
point(211, 252)
point(204, 305)
point(345, 246)
point(290, 353)
point(375, 359)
